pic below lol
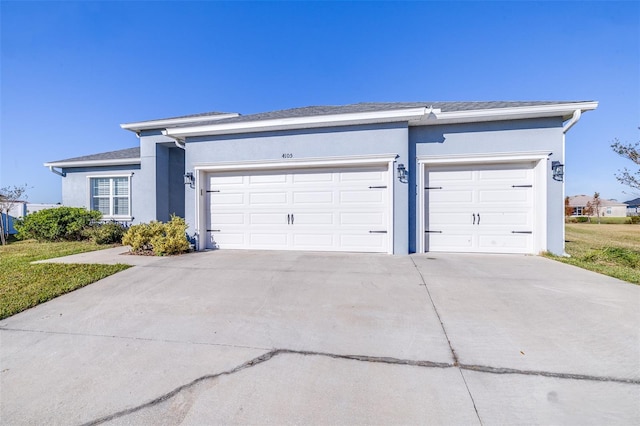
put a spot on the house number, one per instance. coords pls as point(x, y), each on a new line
point(287, 155)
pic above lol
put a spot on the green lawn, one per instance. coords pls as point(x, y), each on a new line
point(609, 249)
point(23, 285)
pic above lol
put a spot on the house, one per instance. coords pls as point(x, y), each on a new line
point(608, 208)
point(394, 178)
point(633, 207)
point(17, 211)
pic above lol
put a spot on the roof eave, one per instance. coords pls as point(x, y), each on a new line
point(94, 163)
point(318, 121)
point(163, 123)
point(564, 110)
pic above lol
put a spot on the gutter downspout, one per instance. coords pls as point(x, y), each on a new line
point(52, 170)
point(574, 119)
point(565, 128)
point(176, 140)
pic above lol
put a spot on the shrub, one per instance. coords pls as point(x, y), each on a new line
point(61, 223)
point(582, 219)
point(157, 237)
point(105, 233)
point(634, 219)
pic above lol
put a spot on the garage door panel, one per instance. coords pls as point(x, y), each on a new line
point(450, 241)
point(450, 176)
point(313, 197)
point(320, 218)
point(441, 218)
point(232, 218)
point(226, 180)
point(232, 239)
point(509, 243)
point(306, 177)
point(450, 196)
point(364, 219)
point(277, 218)
point(270, 179)
point(504, 196)
point(362, 197)
point(273, 198)
point(228, 198)
point(504, 175)
point(314, 241)
point(507, 218)
point(268, 239)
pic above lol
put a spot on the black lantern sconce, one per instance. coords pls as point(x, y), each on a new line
point(189, 180)
point(557, 168)
point(402, 173)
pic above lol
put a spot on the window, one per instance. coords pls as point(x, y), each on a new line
point(577, 211)
point(110, 196)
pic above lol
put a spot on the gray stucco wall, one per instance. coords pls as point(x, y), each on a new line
point(496, 137)
point(75, 185)
point(314, 143)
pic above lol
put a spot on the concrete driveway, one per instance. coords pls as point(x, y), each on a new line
point(244, 337)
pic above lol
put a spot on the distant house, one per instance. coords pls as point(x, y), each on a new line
point(608, 208)
point(633, 207)
point(18, 211)
point(397, 178)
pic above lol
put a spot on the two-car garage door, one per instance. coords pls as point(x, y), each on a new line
point(324, 209)
point(479, 208)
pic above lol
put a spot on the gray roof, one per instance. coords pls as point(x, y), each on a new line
point(310, 111)
point(122, 154)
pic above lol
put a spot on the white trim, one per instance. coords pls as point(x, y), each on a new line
point(162, 123)
point(129, 176)
point(94, 163)
point(539, 184)
point(494, 157)
point(565, 110)
point(356, 160)
point(353, 161)
point(314, 121)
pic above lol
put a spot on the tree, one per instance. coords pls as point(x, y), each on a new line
point(9, 197)
point(568, 210)
point(597, 203)
point(630, 151)
point(588, 211)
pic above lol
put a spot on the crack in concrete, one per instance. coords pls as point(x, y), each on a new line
point(444, 330)
point(360, 358)
point(144, 339)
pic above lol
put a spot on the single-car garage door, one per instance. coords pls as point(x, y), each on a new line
point(337, 209)
point(481, 208)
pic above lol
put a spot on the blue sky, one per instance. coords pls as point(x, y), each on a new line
point(72, 72)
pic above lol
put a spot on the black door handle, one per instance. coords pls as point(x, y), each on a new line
point(478, 218)
point(288, 219)
point(474, 218)
point(292, 218)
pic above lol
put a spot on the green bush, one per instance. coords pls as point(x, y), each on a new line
point(157, 237)
point(634, 219)
point(57, 224)
point(105, 233)
point(582, 219)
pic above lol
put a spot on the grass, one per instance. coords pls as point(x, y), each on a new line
point(23, 285)
point(609, 249)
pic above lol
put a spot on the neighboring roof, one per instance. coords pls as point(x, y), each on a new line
point(122, 156)
point(634, 202)
point(176, 121)
point(582, 200)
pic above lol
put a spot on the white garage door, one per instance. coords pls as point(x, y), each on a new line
point(487, 209)
point(345, 209)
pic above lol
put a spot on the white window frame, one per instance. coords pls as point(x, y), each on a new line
point(127, 217)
